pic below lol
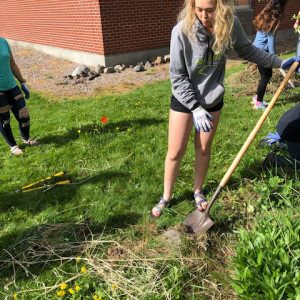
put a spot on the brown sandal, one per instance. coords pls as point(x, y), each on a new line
point(31, 142)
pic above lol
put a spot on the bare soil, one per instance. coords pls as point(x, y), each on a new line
point(44, 74)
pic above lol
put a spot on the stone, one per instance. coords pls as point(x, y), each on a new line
point(139, 68)
point(148, 65)
point(62, 83)
point(167, 58)
point(80, 69)
point(159, 60)
point(118, 68)
point(99, 69)
point(84, 74)
point(109, 70)
point(94, 76)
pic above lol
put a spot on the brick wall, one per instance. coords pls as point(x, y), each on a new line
point(136, 25)
point(104, 27)
point(72, 24)
point(292, 7)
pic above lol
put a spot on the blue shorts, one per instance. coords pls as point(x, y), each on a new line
point(177, 106)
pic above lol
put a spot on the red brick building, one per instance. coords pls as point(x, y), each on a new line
point(104, 31)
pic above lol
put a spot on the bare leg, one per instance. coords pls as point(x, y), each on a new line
point(202, 142)
point(180, 127)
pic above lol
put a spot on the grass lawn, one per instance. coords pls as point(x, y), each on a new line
point(95, 233)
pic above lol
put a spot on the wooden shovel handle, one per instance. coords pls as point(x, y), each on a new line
point(258, 125)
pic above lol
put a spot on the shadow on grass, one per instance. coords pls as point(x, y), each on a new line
point(73, 134)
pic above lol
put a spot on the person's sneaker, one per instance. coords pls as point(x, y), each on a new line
point(254, 99)
point(257, 106)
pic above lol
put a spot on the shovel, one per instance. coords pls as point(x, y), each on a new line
point(199, 222)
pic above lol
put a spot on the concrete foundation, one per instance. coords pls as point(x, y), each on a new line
point(91, 59)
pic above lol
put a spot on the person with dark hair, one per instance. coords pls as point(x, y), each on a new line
point(266, 24)
point(286, 140)
point(11, 98)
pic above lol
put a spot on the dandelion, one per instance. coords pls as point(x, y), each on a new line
point(95, 297)
point(71, 291)
point(83, 270)
point(114, 287)
point(117, 128)
point(128, 130)
point(63, 286)
point(61, 293)
point(4, 163)
point(78, 259)
point(77, 288)
point(79, 131)
point(15, 296)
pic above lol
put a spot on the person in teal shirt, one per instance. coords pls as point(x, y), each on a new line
point(11, 98)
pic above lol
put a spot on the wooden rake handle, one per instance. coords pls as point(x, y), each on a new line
point(252, 134)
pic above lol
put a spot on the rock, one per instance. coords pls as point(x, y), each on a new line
point(139, 68)
point(70, 77)
point(167, 58)
point(131, 66)
point(78, 81)
point(94, 76)
point(123, 66)
point(99, 69)
point(140, 63)
point(84, 74)
point(147, 65)
point(80, 69)
point(172, 236)
point(152, 59)
point(109, 70)
point(62, 83)
point(159, 60)
point(118, 68)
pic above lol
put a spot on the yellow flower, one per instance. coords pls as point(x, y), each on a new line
point(97, 298)
point(78, 259)
point(83, 269)
point(114, 287)
point(117, 128)
point(4, 165)
point(71, 291)
point(128, 130)
point(63, 286)
point(15, 296)
point(61, 293)
point(77, 288)
point(79, 131)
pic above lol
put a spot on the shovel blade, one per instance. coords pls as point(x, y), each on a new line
point(198, 222)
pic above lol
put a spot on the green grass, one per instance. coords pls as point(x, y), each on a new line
point(116, 171)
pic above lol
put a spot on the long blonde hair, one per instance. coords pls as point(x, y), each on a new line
point(223, 24)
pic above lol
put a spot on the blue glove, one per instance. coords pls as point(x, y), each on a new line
point(286, 64)
point(25, 90)
point(202, 119)
point(272, 138)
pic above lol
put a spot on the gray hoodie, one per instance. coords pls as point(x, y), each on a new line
point(197, 73)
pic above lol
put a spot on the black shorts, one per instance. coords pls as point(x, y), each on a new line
point(177, 106)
